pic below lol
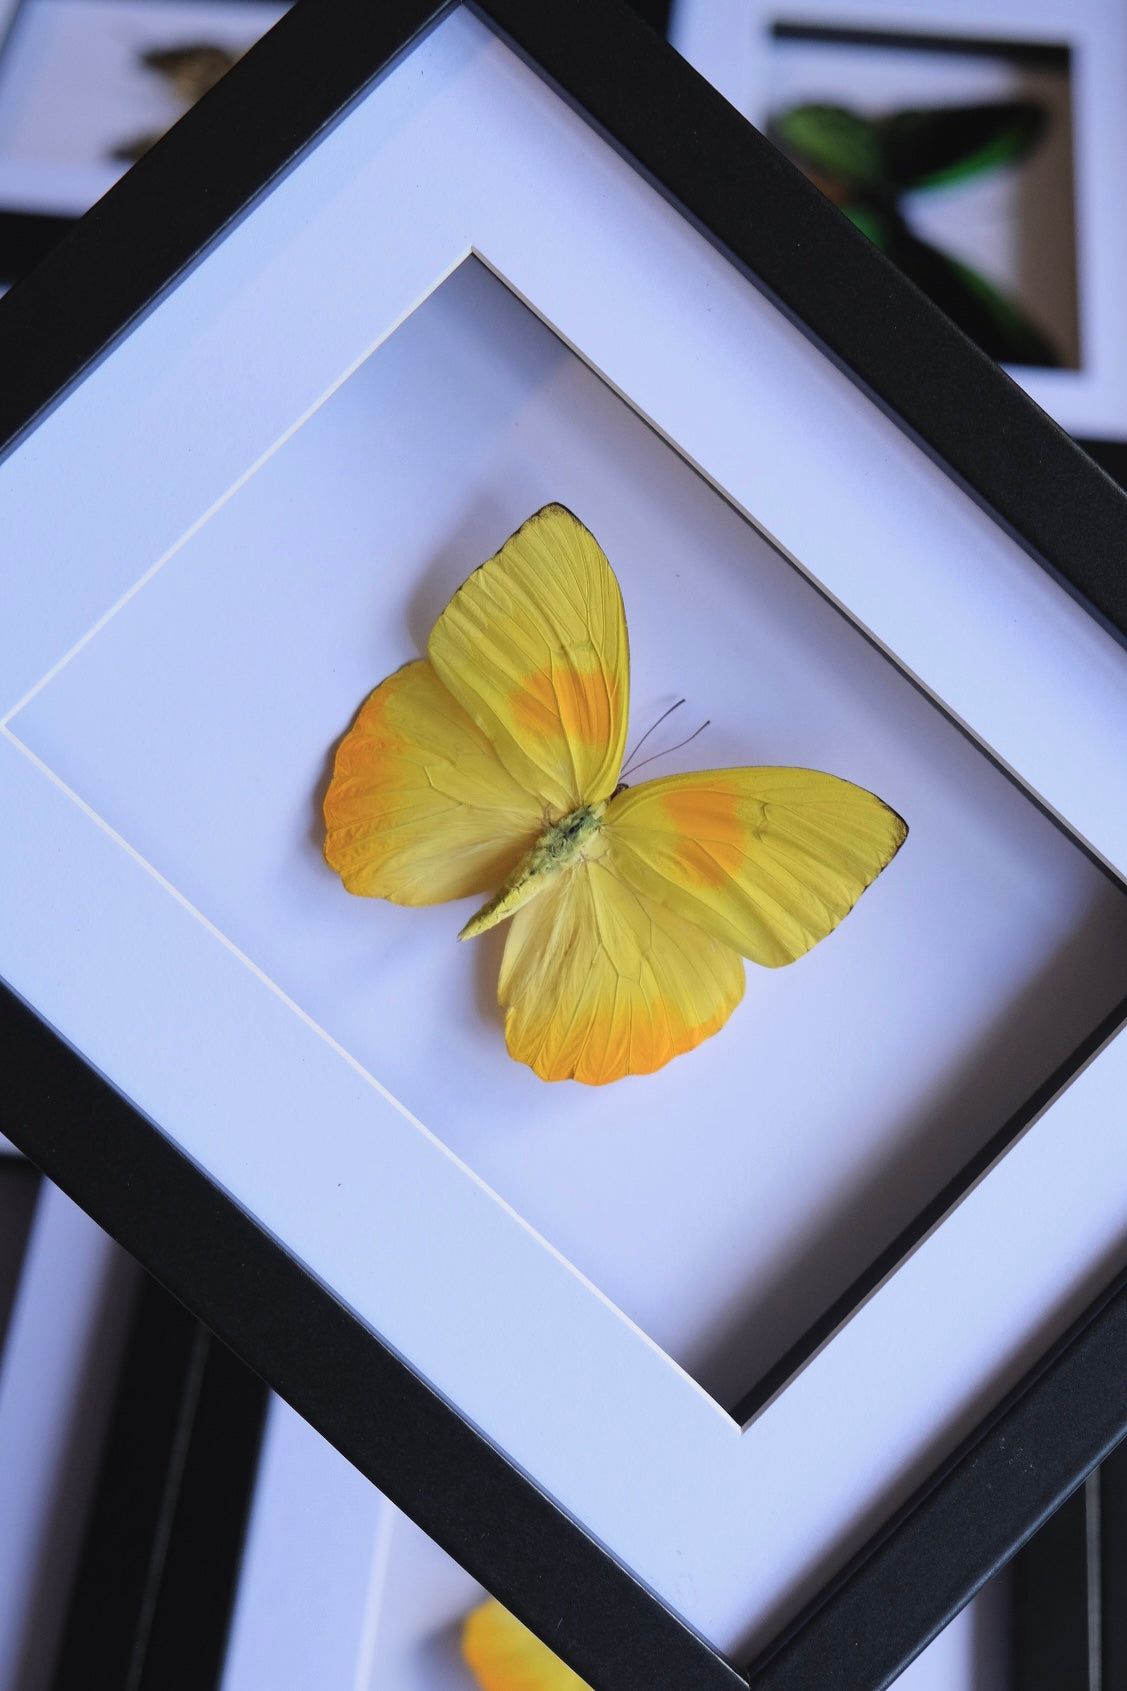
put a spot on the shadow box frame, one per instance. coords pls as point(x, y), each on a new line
point(726, 43)
point(30, 223)
point(252, 1470)
point(554, 1503)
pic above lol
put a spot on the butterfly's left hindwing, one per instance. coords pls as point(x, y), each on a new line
point(766, 860)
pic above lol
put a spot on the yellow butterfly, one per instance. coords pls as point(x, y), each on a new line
point(494, 763)
point(503, 1655)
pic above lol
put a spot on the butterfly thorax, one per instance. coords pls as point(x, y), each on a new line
point(573, 839)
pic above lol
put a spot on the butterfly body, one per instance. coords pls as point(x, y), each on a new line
point(495, 763)
point(564, 845)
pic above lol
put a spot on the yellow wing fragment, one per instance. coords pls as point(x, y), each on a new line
point(419, 808)
point(503, 1655)
point(767, 860)
point(600, 981)
point(534, 647)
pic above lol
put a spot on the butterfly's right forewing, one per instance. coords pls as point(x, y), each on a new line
point(767, 860)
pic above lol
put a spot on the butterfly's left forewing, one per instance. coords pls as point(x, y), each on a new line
point(767, 860)
point(533, 646)
point(419, 809)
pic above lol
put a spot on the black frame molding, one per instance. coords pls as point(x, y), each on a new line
point(1070, 1591)
point(1046, 55)
point(26, 237)
point(19, 1188)
point(894, 1597)
point(356, 1392)
point(156, 1581)
point(780, 233)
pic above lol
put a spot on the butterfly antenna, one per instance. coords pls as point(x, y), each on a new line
point(655, 755)
point(632, 755)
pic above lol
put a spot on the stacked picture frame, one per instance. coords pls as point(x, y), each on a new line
point(1035, 218)
point(132, 1538)
point(85, 87)
point(473, 258)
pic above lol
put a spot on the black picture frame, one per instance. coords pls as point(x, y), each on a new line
point(19, 1186)
point(26, 237)
point(158, 1572)
point(149, 1598)
point(1038, 485)
point(1111, 456)
point(27, 234)
point(1069, 1590)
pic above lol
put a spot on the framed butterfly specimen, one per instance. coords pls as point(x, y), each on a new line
point(653, 1359)
point(974, 145)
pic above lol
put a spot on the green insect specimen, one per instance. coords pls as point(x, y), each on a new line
point(866, 165)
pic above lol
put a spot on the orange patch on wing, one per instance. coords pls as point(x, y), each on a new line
point(711, 834)
point(598, 981)
point(640, 1035)
point(613, 1047)
point(570, 696)
point(368, 748)
point(419, 810)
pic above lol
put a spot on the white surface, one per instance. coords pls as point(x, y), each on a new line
point(423, 1599)
point(728, 41)
point(308, 1602)
point(731, 1529)
point(337, 1589)
point(56, 1375)
point(846, 1090)
point(73, 88)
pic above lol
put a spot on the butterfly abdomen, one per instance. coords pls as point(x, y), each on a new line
point(573, 839)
